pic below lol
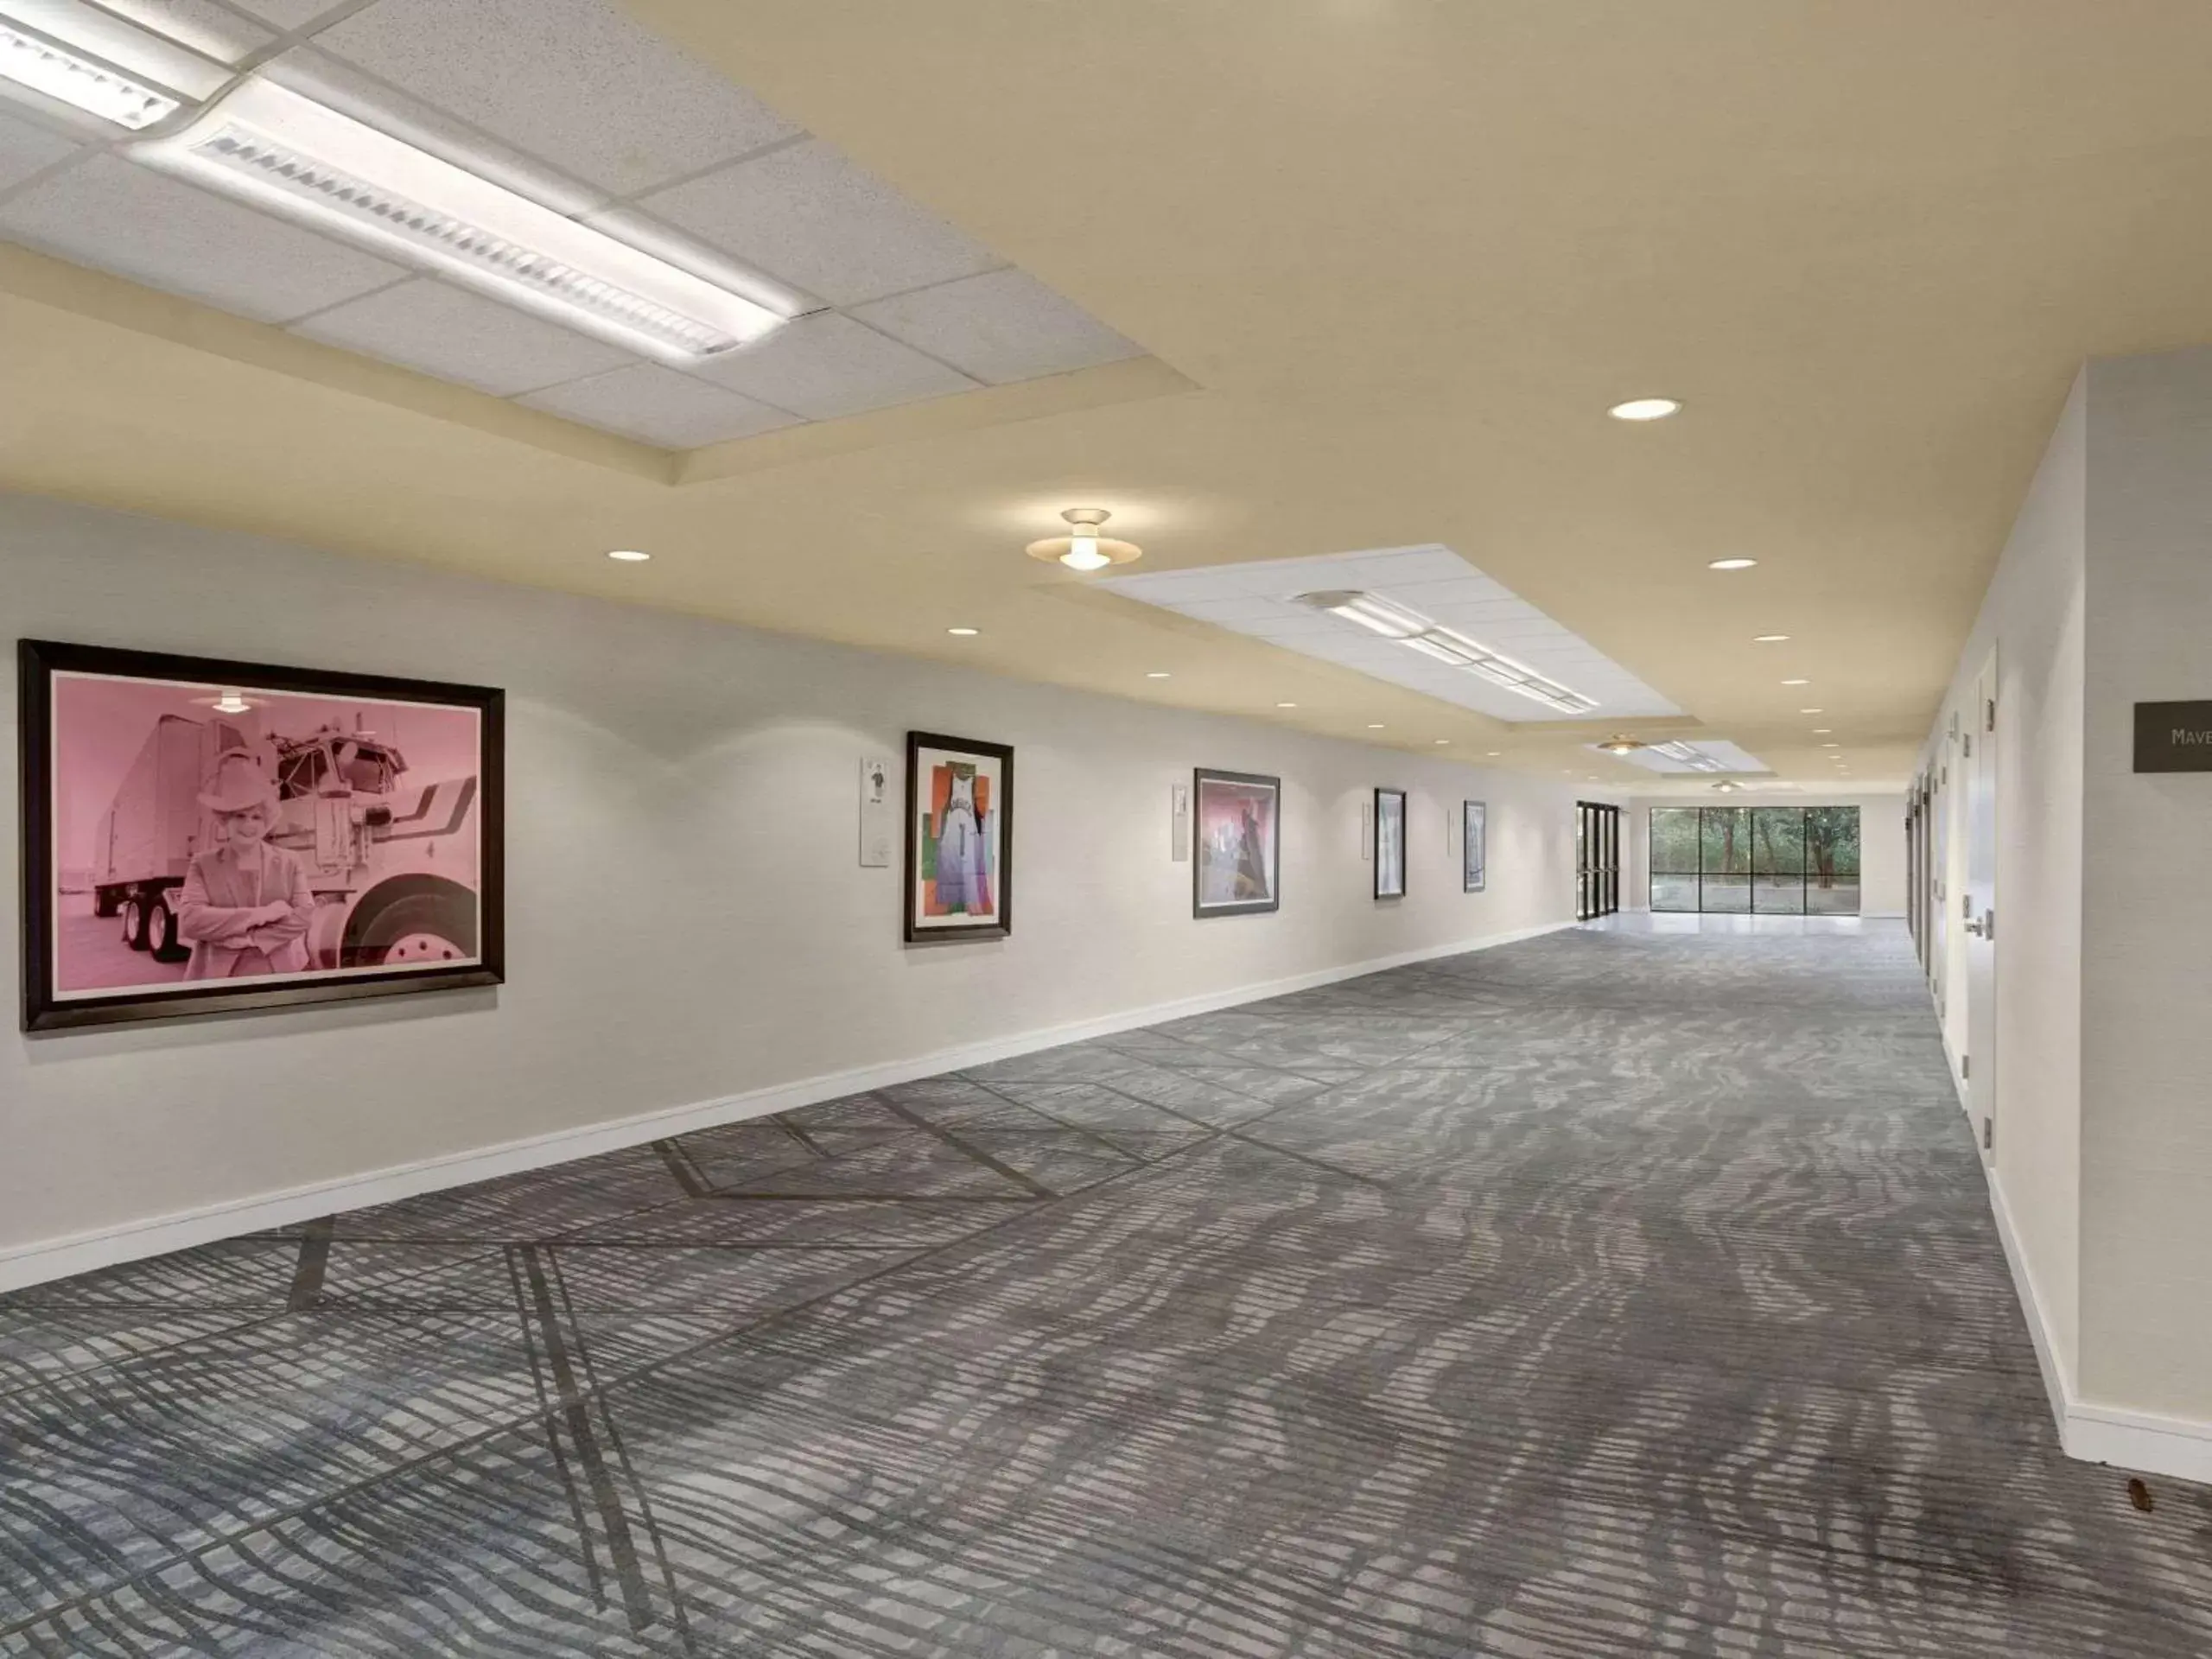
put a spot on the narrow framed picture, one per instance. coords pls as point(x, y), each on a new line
point(959, 838)
point(203, 836)
point(1236, 865)
point(1474, 849)
point(1390, 843)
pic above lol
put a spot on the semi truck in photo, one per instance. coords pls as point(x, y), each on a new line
point(393, 870)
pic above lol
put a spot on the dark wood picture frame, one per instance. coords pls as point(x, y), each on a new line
point(1474, 816)
point(38, 661)
point(1200, 776)
point(1399, 795)
point(911, 868)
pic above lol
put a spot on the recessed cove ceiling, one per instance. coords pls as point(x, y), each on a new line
point(669, 207)
point(1419, 616)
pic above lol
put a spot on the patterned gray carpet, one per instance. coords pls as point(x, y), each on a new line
point(1605, 1295)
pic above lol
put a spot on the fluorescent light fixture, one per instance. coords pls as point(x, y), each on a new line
point(964, 633)
point(1157, 674)
point(1730, 564)
point(628, 555)
point(1432, 639)
point(80, 80)
point(1645, 408)
point(1769, 639)
point(1796, 682)
point(270, 146)
point(1690, 755)
point(1285, 705)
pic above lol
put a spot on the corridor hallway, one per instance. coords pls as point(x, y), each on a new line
point(1616, 1292)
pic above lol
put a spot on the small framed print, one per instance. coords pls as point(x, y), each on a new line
point(1236, 868)
point(959, 838)
point(1474, 849)
point(1390, 843)
point(203, 836)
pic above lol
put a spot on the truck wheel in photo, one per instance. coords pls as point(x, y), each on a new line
point(134, 923)
point(160, 932)
point(421, 919)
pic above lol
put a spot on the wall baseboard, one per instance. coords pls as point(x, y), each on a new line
point(60, 1258)
point(2180, 1448)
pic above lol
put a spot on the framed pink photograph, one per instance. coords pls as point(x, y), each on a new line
point(202, 837)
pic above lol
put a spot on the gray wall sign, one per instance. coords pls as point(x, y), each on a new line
point(2173, 737)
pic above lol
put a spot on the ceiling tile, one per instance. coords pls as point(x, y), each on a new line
point(1002, 326)
point(806, 214)
point(25, 148)
point(659, 406)
point(457, 335)
point(289, 15)
point(204, 27)
point(572, 81)
point(827, 366)
point(168, 234)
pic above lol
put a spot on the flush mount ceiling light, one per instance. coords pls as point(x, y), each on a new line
point(1621, 743)
point(295, 158)
point(1645, 408)
point(628, 555)
point(1726, 788)
point(1083, 548)
point(1418, 632)
point(1730, 564)
point(30, 58)
point(231, 702)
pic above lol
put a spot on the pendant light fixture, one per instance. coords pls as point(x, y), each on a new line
point(1083, 548)
point(1621, 743)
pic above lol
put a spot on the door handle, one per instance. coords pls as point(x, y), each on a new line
point(1974, 927)
point(1988, 924)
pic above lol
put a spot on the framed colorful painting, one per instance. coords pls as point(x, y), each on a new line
point(202, 837)
point(1474, 845)
point(1237, 864)
point(959, 838)
point(1390, 843)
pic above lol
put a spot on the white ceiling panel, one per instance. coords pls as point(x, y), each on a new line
point(1254, 599)
point(24, 149)
point(202, 25)
point(828, 366)
point(572, 81)
point(659, 406)
point(289, 15)
point(806, 214)
point(464, 337)
point(1001, 326)
point(168, 234)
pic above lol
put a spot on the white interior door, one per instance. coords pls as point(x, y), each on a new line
point(1979, 908)
point(1951, 975)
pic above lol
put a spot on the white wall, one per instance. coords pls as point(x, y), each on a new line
point(1881, 841)
point(2032, 617)
point(2146, 928)
point(686, 916)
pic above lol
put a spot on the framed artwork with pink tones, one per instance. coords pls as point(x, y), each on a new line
point(1237, 867)
point(202, 837)
point(959, 838)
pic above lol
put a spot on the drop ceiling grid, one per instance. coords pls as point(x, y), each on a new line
point(608, 122)
point(1254, 598)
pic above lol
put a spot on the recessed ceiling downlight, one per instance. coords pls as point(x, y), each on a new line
point(1730, 564)
point(1645, 408)
point(627, 555)
point(303, 160)
point(964, 633)
point(1770, 639)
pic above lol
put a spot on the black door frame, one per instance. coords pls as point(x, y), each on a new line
point(1597, 860)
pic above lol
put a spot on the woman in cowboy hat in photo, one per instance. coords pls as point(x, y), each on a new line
point(245, 906)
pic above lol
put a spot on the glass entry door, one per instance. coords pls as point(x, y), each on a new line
point(1597, 858)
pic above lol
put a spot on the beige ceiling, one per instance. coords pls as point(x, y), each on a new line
point(1391, 261)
